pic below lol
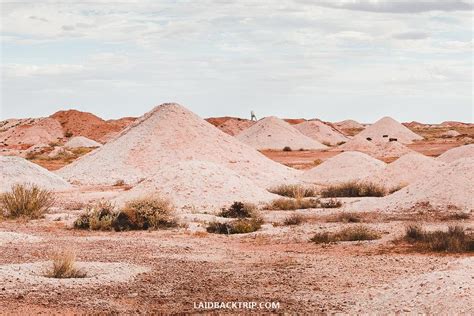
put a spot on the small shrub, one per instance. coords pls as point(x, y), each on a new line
point(144, 213)
point(454, 240)
point(238, 210)
point(63, 266)
point(293, 191)
point(325, 143)
point(99, 216)
point(239, 226)
point(353, 189)
point(341, 143)
point(294, 219)
point(68, 134)
point(119, 183)
point(347, 217)
point(149, 212)
point(286, 148)
point(317, 162)
point(353, 233)
point(331, 203)
point(290, 204)
point(458, 216)
point(26, 200)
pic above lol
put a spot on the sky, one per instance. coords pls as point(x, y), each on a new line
point(332, 60)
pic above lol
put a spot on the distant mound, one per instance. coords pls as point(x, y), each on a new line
point(349, 124)
point(274, 133)
point(88, 125)
point(231, 125)
point(164, 136)
point(451, 133)
point(387, 128)
point(199, 184)
point(81, 141)
point(31, 132)
point(450, 188)
point(16, 170)
point(406, 170)
point(466, 151)
point(375, 149)
point(347, 166)
point(321, 132)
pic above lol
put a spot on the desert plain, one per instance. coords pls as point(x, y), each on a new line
point(300, 216)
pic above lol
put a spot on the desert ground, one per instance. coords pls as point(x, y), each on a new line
point(291, 253)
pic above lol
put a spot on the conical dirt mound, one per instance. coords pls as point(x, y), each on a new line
point(457, 153)
point(190, 184)
point(16, 170)
point(166, 135)
point(347, 166)
point(406, 170)
point(359, 144)
point(387, 128)
point(450, 188)
point(274, 133)
point(81, 141)
point(321, 132)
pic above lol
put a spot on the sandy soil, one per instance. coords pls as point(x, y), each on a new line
point(175, 268)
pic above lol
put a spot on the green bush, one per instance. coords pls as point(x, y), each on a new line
point(26, 200)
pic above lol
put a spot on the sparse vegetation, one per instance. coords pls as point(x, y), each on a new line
point(455, 239)
point(26, 200)
point(353, 189)
point(396, 188)
point(239, 226)
point(291, 204)
point(119, 183)
point(331, 203)
point(296, 191)
point(294, 219)
point(63, 266)
point(287, 148)
point(317, 162)
point(347, 217)
point(458, 216)
point(352, 233)
point(144, 213)
point(239, 210)
point(68, 134)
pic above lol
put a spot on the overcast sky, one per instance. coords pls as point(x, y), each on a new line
point(331, 59)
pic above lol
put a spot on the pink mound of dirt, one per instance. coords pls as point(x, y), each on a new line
point(387, 128)
point(321, 132)
point(345, 167)
point(449, 188)
point(349, 124)
point(466, 151)
point(88, 125)
point(234, 126)
point(81, 141)
point(405, 170)
point(16, 170)
point(31, 132)
point(201, 184)
point(274, 133)
point(376, 149)
point(164, 136)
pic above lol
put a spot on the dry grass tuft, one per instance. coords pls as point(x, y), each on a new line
point(353, 233)
point(454, 240)
point(293, 220)
point(296, 191)
point(354, 189)
point(63, 266)
point(290, 204)
point(26, 200)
